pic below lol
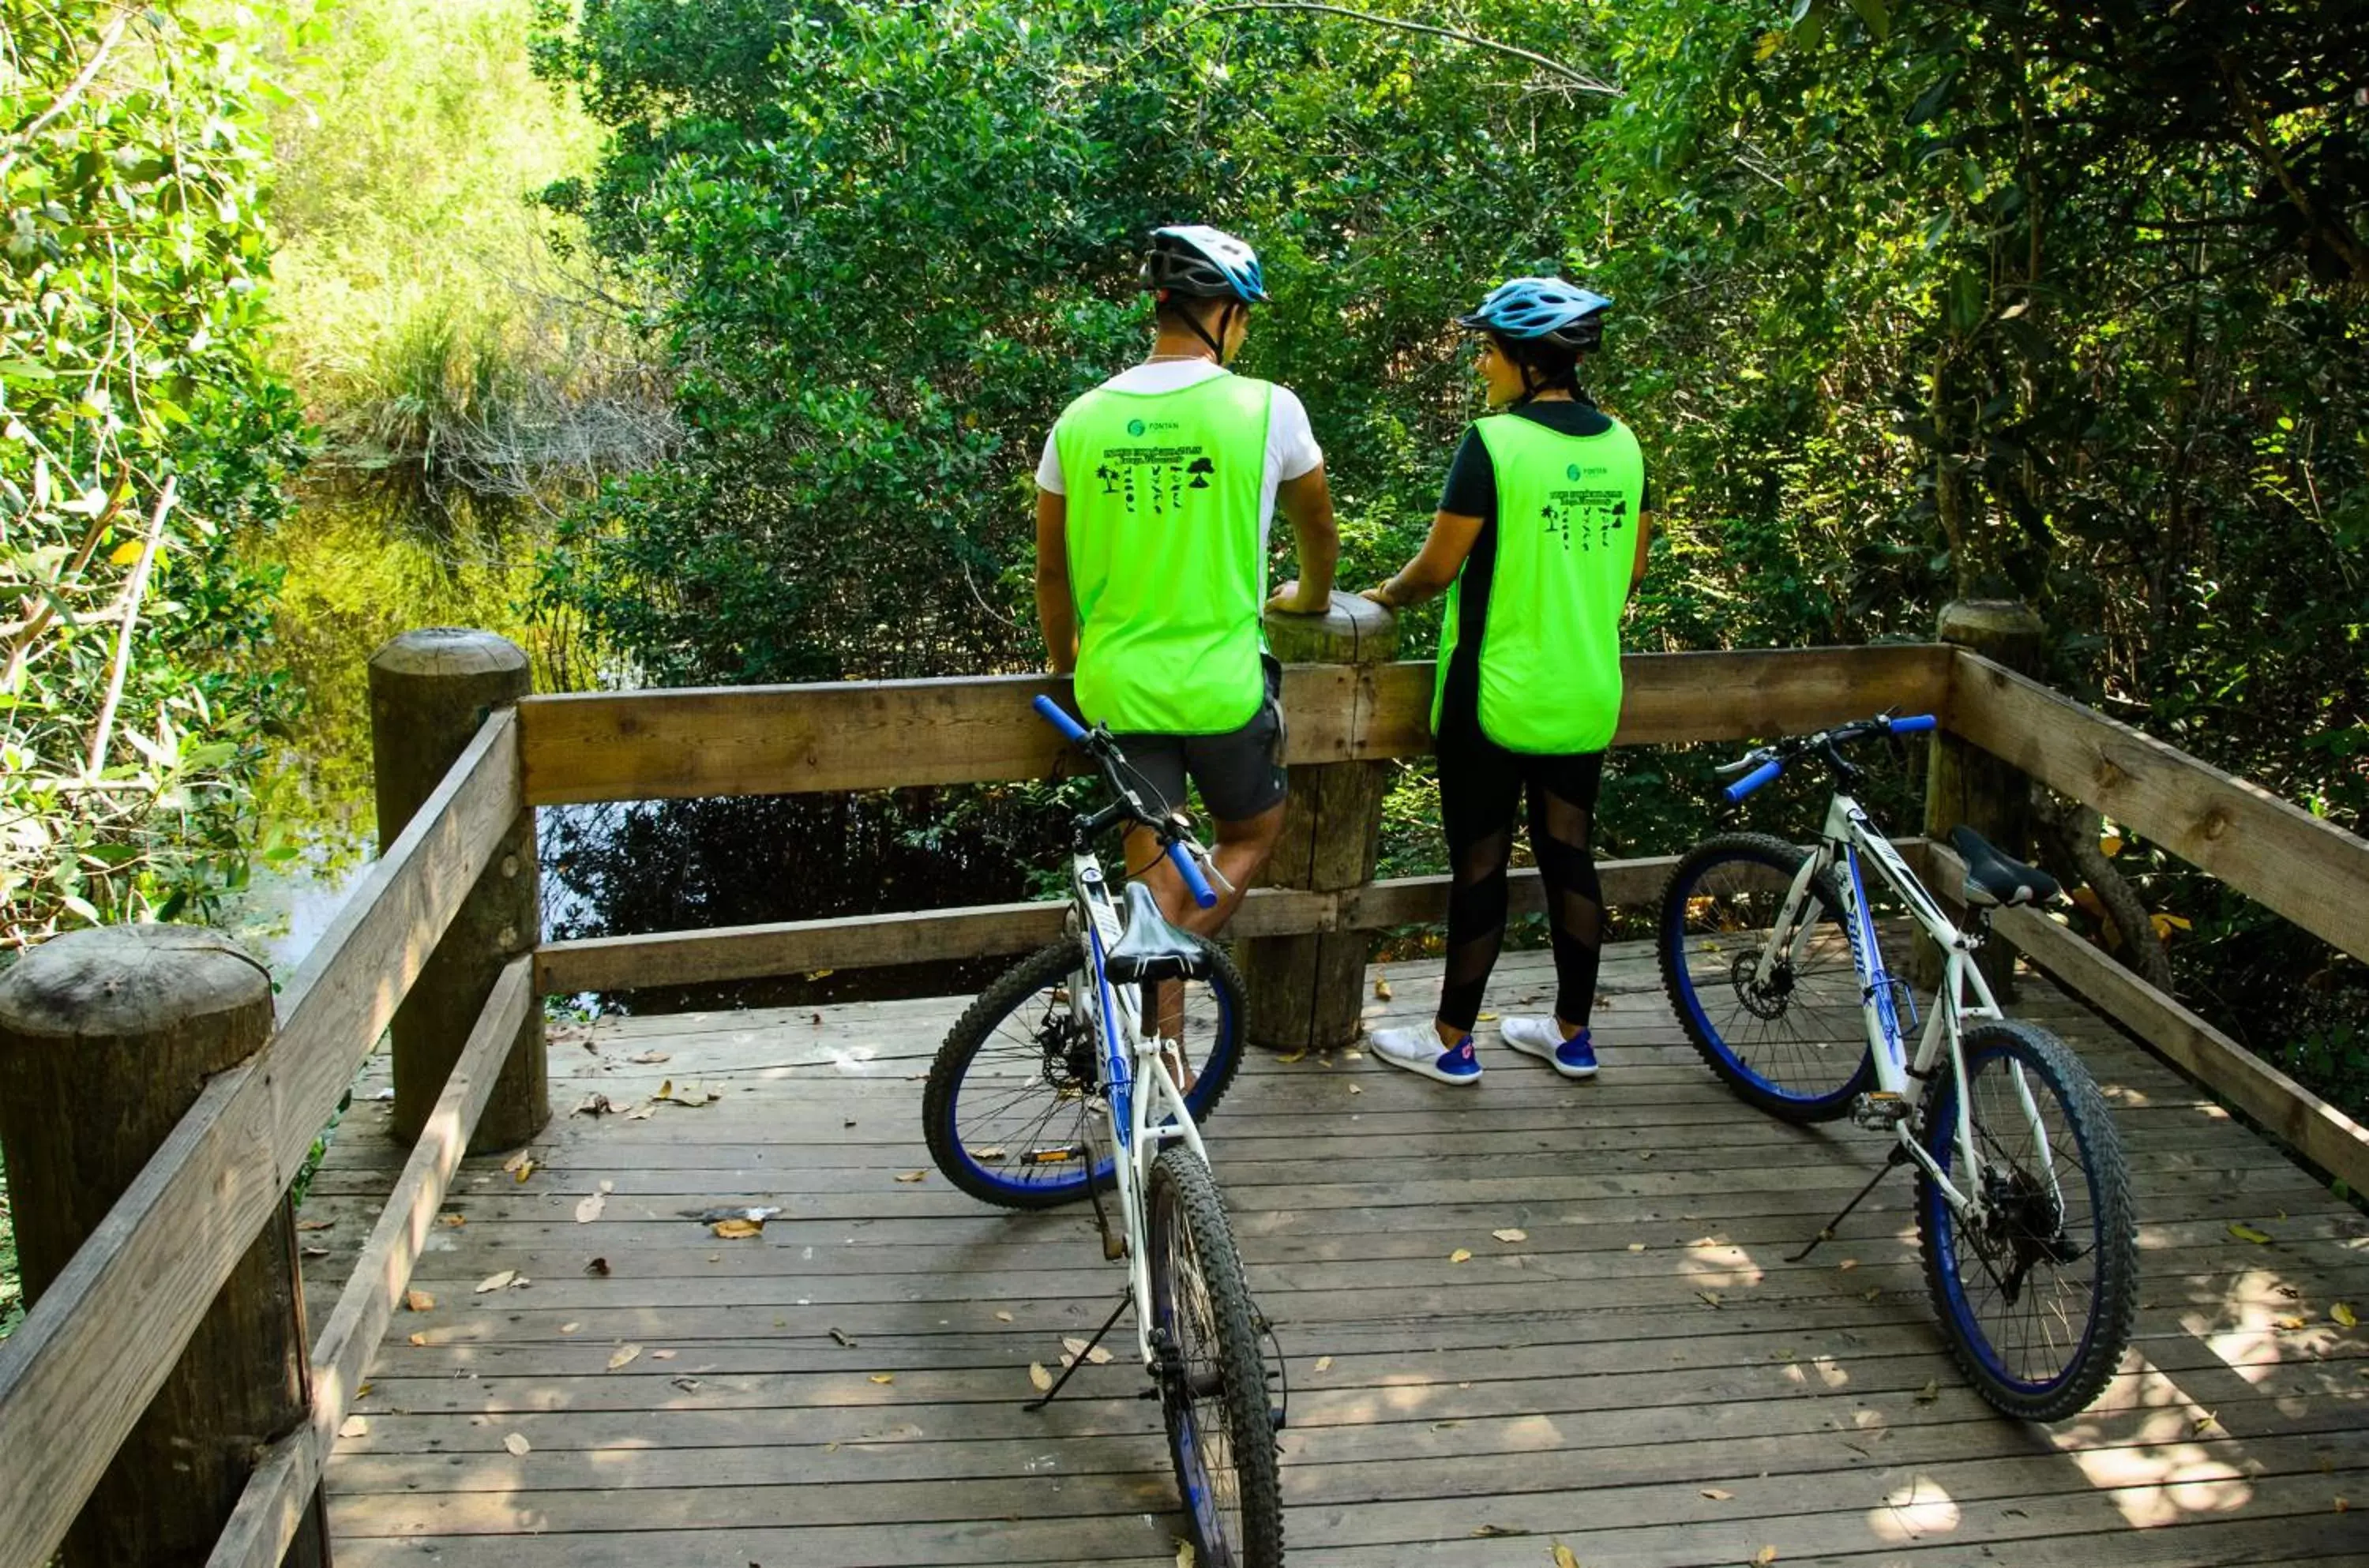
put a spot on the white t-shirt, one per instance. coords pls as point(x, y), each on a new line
point(1291, 449)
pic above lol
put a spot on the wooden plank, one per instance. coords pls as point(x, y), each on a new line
point(2304, 1121)
point(2305, 867)
point(273, 1505)
point(892, 734)
point(85, 1361)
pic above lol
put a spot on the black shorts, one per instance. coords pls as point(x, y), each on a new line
point(1239, 772)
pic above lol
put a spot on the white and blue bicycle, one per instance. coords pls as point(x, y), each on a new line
point(1081, 1073)
point(1773, 955)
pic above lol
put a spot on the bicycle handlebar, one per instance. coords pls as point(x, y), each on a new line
point(1173, 840)
point(1769, 762)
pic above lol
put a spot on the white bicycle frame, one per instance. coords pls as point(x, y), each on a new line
point(1849, 843)
point(1135, 1090)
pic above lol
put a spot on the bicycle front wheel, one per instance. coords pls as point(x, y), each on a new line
point(1785, 1032)
point(1212, 1377)
point(2038, 1295)
point(1005, 1110)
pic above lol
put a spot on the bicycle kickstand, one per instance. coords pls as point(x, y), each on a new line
point(1899, 1157)
point(1125, 1300)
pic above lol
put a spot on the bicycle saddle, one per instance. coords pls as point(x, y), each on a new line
point(1993, 878)
point(1151, 949)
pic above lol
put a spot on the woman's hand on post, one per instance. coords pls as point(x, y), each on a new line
point(1379, 594)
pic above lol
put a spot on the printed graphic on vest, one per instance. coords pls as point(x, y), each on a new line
point(1152, 479)
point(1585, 519)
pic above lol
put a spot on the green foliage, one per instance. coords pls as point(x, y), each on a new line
point(139, 429)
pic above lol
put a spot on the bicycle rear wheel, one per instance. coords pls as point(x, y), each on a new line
point(2037, 1299)
point(1792, 1041)
point(1212, 1378)
point(1005, 1109)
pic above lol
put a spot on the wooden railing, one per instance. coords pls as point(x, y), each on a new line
point(98, 1343)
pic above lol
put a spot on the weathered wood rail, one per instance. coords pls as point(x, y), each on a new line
point(103, 1337)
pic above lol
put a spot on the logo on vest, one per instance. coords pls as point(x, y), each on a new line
point(1570, 471)
point(1153, 477)
point(1587, 517)
point(1135, 427)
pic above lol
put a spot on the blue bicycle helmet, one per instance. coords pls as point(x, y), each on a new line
point(1203, 263)
point(1542, 310)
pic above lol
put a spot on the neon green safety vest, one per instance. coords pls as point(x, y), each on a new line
point(1567, 511)
point(1165, 559)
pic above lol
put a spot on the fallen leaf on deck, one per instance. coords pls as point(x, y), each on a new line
point(314, 1252)
point(1491, 1532)
point(501, 1281)
point(2248, 1233)
point(1355, 1089)
point(1847, 1263)
point(845, 1338)
point(420, 1339)
point(517, 1444)
point(989, 1154)
point(1038, 1376)
point(598, 1268)
point(315, 1224)
point(513, 1164)
point(523, 1172)
point(1184, 1557)
point(354, 1426)
point(1564, 1557)
point(1098, 1357)
point(1293, 1056)
point(1074, 1346)
point(2289, 1323)
point(686, 1095)
point(569, 1328)
point(418, 1301)
point(1765, 1556)
point(1636, 1246)
point(1381, 989)
point(1710, 1296)
point(738, 1230)
point(1353, 1056)
point(594, 1106)
point(623, 1354)
point(651, 1059)
point(1511, 1234)
point(1871, 1295)
point(1716, 1496)
point(2342, 1312)
point(1324, 1363)
point(1485, 1018)
point(643, 1112)
point(1003, 1317)
point(912, 1176)
point(2205, 1423)
point(1459, 1254)
point(687, 1384)
point(662, 1354)
point(883, 1377)
point(452, 1221)
point(589, 1208)
point(1930, 1391)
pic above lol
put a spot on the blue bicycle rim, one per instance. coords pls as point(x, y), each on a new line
point(1674, 939)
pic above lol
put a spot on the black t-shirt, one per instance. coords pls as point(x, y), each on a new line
point(1471, 489)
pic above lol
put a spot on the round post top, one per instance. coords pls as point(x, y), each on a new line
point(446, 651)
point(124, 981)
point(1355, 630)
point(1979, 621)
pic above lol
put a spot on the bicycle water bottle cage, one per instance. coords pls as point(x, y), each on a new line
point(1993, 879)
point(1151, 949)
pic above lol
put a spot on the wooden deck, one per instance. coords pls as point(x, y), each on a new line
point(1643, 1378)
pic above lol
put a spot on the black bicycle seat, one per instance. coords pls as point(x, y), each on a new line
point(1993, 878)
point(1151, 949)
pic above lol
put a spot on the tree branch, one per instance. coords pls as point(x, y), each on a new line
point(75, 89)
point(132, 594)
point(1572, 74)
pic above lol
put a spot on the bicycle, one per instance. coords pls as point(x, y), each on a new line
point(1772, 955)
point(1047, 1089)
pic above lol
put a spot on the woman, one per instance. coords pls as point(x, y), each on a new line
point(1542, 536)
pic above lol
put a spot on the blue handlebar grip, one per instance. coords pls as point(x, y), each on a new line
point(1917, 724)
point(1753, 780)
point(1051, 712)
point(1202, 894)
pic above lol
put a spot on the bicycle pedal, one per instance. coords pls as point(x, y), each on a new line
point(1880, 1108)
point(1114, 1247)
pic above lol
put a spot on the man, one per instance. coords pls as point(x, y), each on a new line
point(1154, 499)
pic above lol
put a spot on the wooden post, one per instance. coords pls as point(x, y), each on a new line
point(430, 690)
point(1306, 991)
point(1965, 784)
point(106, 1035)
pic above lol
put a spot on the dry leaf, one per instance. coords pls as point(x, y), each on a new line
point(1098, 1357)
point(1003, 1317)
point(662, 1354)
point(1511, 1234)
point(1716, 1495)
point(687, 1384)
point(1184, 1557)
point(2248, 1233)
point(569, 1328)
point(420, 1339)
point(1636, 1246)
point(883, 1377)
point(312, 1252)
point(912, 1176)
point(1324, 1363)
point(1847, 1263)
point(517, 1444)
point(844, 1338)
point(1765, 1556)
point(2290, 1323)
point(991, 1155)
point(418, 1301)
point(315, 1224)
point(651, 1059)
point(452, 1221)
point(1564, 1557)
point(1459, 1254)
point(1930, 1393)
point(1293, 1056)
point(589, 1208)
point(738, 1230)
point(354, 1426)
point(1038, 1376)
point(594, 1106)
point(518, 1161)
point(501, 1281)
point(599, 1267)
point(2205, 1423)
point(623, 1356)
point(2342, 1312)
point(523, 1172)
point(1076, 1347)
point(1710, 1296)
point(1356, 1089)
point(1381, 989)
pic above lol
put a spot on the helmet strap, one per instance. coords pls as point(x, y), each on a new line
point(1225, 321)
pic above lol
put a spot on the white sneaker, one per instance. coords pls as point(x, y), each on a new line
point(1419, 1050)
point(1542, 1037)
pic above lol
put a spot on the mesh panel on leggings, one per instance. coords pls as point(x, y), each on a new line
point(1477, 904)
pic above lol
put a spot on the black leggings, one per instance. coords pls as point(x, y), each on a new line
point(1481, 784)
